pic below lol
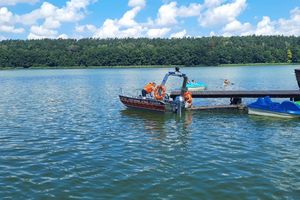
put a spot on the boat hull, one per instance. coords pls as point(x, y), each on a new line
point(196, 86)
point(253, 111)
point(146, 104)
point(194, 89)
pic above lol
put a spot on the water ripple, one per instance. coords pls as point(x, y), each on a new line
point(63, 136)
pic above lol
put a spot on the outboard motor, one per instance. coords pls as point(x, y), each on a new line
point(297, 73)
point(179, 101)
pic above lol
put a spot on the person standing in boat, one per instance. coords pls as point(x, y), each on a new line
point(148, 89)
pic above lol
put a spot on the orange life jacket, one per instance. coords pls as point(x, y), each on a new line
point(188, 97)
point(149, 87)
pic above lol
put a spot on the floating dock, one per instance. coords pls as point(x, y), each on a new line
point(237, 95)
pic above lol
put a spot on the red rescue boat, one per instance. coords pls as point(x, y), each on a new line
point(162, 104)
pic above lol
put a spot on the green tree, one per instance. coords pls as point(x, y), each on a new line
point(144, 51)
point(289, 56)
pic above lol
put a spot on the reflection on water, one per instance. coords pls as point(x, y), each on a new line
point(157, 121)
point(266, 122)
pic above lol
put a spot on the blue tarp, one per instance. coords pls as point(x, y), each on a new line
point(267, 104)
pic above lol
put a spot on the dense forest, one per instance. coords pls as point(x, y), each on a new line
point(210, 51)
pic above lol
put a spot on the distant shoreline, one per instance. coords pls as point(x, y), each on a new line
point(91, 67)
point(258, 64)
point(147, 66)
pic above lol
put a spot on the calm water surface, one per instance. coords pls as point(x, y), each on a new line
point(65, 135)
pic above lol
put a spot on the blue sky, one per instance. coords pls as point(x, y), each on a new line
point(36, 19)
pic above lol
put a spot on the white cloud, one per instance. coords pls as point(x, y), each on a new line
point(134, 32)
point(52, 17)
point(128, 17)
point(213, 3)
point(158, 32)
point(32, 17)
point(180, 34)
point(168, 13)
point(237, 28)
point(51, 23)
point(290, 26)
point(282, 26)
point(63, 36)
point(40, 32)
point(10, 29)
point(5, 15)
point(86, 28)
point(220, 14)
point(73, 11)
point(120, 28)
point(7, 22)
point(110, 29)
point(47, 10)
point(137, 3)
point(189, 11)
point(219, 17)
point(127, 26)
point(14, 2)
point(265, 27)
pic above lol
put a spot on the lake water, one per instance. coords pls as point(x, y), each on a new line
point(65, 135)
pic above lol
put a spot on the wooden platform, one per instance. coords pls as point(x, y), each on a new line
point(219, 107)
point(242, 93)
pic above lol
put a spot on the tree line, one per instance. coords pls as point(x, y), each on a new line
point(209, 51)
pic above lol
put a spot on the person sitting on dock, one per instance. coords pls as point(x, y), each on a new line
point(148, 89)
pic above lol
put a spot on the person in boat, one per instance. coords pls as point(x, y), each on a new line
point(188, 99)
point(190, 82)
point(148, 89)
